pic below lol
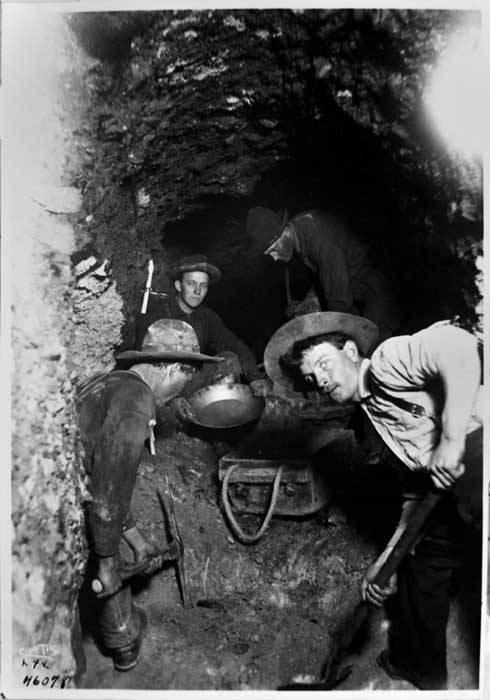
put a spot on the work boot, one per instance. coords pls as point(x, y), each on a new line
point(122, 627)
point(125, 658)
point(398, 673)
point(395, 672)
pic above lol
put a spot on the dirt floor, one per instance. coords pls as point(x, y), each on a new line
point(262, 614)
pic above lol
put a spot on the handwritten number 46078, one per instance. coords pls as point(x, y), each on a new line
point(47, 680)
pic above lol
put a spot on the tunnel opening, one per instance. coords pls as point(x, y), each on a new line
point(289, 143)
point(190, 119)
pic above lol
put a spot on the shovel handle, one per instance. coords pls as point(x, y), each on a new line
point(287, 284)
point(410, 535)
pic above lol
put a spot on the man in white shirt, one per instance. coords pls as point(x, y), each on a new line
point(422, 395)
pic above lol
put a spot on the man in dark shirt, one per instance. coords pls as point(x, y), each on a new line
point(116, 414)
point(191, 277)
point(345, 277)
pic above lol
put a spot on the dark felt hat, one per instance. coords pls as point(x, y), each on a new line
point(363, 331)
point(195, 263)
point(168, 340)
point(263, 226)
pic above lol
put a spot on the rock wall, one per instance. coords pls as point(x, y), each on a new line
point(41, 90)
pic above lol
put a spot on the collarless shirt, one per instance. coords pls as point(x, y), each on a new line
point(405, 367)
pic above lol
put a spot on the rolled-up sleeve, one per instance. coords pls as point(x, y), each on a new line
point(436, 369)
point(412, 361)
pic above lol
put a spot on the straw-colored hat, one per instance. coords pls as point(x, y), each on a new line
point(168, 340)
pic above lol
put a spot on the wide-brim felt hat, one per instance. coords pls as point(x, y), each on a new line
point(263, 226)
point(363, 331)
point(195, 263)
point(168, 340)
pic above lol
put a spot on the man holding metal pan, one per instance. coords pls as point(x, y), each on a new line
point(117, 412)
point(191, 277)
point(421, 393)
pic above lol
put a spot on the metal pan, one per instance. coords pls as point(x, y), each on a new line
point(225, 406)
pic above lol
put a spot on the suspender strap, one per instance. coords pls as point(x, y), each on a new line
point(414, 409)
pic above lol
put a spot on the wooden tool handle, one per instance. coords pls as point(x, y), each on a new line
point(287, 283)
point(412, 531)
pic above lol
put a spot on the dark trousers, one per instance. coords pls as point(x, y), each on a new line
point(114, 414)
point(419, 610)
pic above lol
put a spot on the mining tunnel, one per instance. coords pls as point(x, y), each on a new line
point(155, 134)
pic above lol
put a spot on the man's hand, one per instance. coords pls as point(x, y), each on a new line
point(107, 580)
point(261, 387)
point(375, 595)
point(446, 466)
point(300, 308)
point(227, 379)
point(182, 409)
point(143, 550)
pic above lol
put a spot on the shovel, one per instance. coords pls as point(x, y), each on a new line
point(404, 538)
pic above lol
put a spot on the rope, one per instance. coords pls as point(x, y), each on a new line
point(243, 536)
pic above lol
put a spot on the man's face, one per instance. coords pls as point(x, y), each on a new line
point(335, 372)
point(170, 380)
point(166, 379)
point(282, 249)
point(192, 289)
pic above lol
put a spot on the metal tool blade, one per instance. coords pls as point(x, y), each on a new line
point(169, 511)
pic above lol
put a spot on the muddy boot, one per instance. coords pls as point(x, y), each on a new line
point(122, 627)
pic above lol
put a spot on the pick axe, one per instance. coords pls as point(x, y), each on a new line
point(148, 289)
point(172, 554)
point(168, 509)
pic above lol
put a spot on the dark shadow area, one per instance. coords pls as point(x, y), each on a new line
point(467, 593)
point(340, 167)
point(108, 35)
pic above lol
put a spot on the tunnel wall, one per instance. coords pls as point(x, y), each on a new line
point(48, 485)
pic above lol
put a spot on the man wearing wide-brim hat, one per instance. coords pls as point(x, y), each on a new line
point(191, 277)
point(422, 394)
point(345, 278)
point(117, 412)
point(195, 263)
